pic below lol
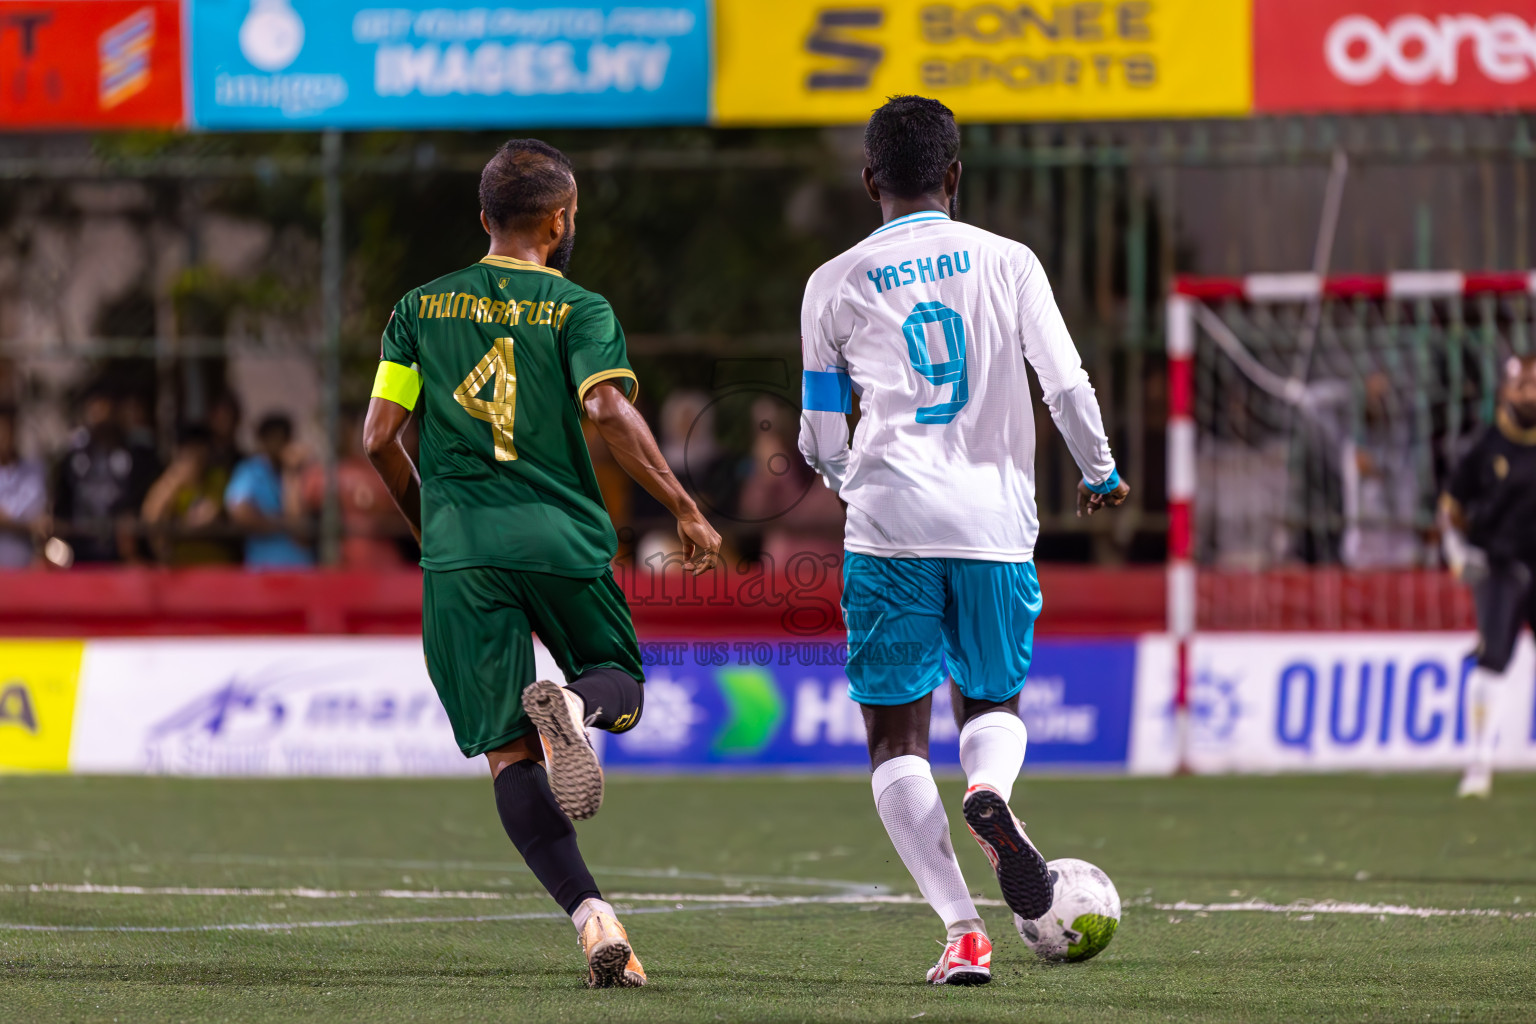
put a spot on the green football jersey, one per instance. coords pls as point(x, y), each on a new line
point(502, 354)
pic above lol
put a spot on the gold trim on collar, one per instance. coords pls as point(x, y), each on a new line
point(1512, 430)
point(512, 263)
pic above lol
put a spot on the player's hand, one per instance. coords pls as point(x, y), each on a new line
point(701, 543)
point(1088, 502)
point(1472, 567)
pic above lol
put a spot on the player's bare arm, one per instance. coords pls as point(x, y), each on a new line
point(634, 449)
point(383, 433)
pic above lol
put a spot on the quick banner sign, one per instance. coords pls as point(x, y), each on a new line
point(1329, 702)
point(814, 61)
point(339, 63)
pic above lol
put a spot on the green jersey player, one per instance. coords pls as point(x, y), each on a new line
point(504, 357)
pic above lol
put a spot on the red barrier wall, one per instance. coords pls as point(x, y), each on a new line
point(161, 602)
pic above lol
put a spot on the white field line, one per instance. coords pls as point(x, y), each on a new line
point(684, 902)
point(300, 893)
point(284, 926)
point(305, 893)
point(437, 865)
point(1339, 907)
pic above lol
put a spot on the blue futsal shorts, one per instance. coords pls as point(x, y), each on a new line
point(909, 617)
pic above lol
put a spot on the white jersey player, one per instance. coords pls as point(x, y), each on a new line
point(930, 322)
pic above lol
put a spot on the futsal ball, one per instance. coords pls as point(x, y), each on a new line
point(1085, 911)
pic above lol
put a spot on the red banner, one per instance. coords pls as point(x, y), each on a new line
point(97, 64)
point(1312, 55)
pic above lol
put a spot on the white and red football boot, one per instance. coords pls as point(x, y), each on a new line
point(966, 961)
point(1021, 871)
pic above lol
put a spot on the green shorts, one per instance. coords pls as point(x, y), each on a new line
point(477, 628)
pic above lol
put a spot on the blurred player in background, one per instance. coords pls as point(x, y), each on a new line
point(506, 355)
point(931, 322)
point(1489, 526)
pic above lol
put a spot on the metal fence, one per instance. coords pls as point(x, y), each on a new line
point(1113, 209)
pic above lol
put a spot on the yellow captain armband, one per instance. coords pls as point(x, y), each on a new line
point(398, 384)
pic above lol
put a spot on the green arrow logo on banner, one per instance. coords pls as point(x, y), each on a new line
point(755, 707)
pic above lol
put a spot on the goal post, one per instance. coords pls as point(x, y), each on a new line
point(1311, 424)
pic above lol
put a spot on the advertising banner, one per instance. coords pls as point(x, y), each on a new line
point(782, 703)
point(365, 706)
point(349, 64)
point(37, 703)
point(104, 64)
point(819, 62)
point(1322, 55)
point(359, 706)
point(1328, 702)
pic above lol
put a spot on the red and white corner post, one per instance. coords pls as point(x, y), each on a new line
point(1181, 503)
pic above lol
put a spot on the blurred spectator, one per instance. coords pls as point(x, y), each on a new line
point(223, 425)
point(184, 508)
point(691, 448)
point(265, 501)
point(371, 528)
point(1381, 485)
point(799, 514)
point(23, 498)
point(686, 436)
point(137, 422)
point(100, 483)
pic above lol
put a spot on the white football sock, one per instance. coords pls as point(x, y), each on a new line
point(992, 751)
point(909, 805)
point(589, 907)
point(1482, 696)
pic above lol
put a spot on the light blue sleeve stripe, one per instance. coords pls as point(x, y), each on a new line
point(1108, 485)
point(829, 391)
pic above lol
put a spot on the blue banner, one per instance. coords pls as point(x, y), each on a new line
point(274, 64)
point(784, 704)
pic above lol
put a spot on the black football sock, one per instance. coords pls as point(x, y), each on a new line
point(613, 695)
point(543, 834)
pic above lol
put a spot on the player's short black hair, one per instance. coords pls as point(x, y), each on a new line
point(275, 422)
point(525, 180)
point(909, 143)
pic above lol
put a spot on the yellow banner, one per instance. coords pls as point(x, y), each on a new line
point(828, 62)
point(38, 680)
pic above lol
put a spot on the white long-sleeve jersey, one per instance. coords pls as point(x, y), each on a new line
point(930, 321)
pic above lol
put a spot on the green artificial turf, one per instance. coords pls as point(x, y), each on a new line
point(720, 948)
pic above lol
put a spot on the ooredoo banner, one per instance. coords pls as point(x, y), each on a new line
point(1322, 55)
point(813, 61)
point(344, 63)
point(103, 64)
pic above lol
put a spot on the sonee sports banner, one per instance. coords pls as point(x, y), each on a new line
point(810, 61)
